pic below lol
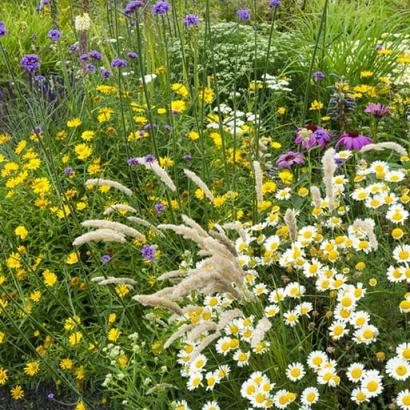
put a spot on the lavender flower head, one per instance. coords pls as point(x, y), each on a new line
point(73, 48)
point(191, 20)
point(148, 252)
point(30, 63)
point(159, 208)
point(274, 3)
point(312, 135)
point(132, 6)
point(69, 171)
point(290, 158)
point(318, 75)
point(90, 68)
point(133, 161)
point(132, 55)
point(96, 55)
point(160, 7)
point(243, 14)
point(149, 159)
point(118, 63)
point(377, 110)
point(105, 259)
point(3, 30)
point(353, 140)
point(105, 73)
point(54, 34)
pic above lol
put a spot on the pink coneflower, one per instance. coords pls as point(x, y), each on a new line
point(377, 110)
point(290, 158)
point(353, 140)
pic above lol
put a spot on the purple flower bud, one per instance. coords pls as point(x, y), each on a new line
point(149, 159)
point(118, 63)
point(160, 7)
point(148, 252)
point(133, 161)
point(105, 73)
point(132, 6)
point(96, 55)
point(3, 30)
point(54, 34)
point(30, 63)
point(159, 208)
point(243, 14)
point(105, 259)
point(191, 20)
point(132, 55)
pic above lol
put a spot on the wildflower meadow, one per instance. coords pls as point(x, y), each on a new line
point(204, 205)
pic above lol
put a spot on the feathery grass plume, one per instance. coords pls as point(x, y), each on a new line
point(204, 344)
point(145, 223)
point(258, 180)
point(115, 226)
point(290, 220)
point(173, 274)
point(119, 207)
point(367, 227)
point(152, 300)
point(261, 328)
point(105, 235)
point(385, 145)
point(227, 316)
point(221, 237)
point(198, 330)
point(329, 169)
point(161, 174)
point(160, 386)
point(117, 281)
point(316, 198)
point(200, 183)
point(110, 183)
point(176, 335)
point(237, 227)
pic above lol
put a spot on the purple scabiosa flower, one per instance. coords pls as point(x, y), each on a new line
point(377, 110)
point(132, 6)
point(149, 159)
point(243, 14)
point(69, 171)
point(132, 55)
point(54, 34)
point(118, 63)
point(312, 135)
point(191, 20)
point(187, 157)
point(30, 63)
point(148, 252)
point(105, 259)
point(3, 30)
point(318, 75)
point(105, 73)
point(133, 161)
point(290, 158)
point(159, 208)
point(96, 55)
point(160, 7)
point(274, 3)
point(90, 68)
point(352, 140)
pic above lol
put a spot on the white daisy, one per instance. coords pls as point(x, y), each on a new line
point(398, 368)
point(295, 371)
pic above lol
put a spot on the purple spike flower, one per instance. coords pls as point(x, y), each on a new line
point(353, 140)
point(290, 158)
point(160, 7)
point(30, 63)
